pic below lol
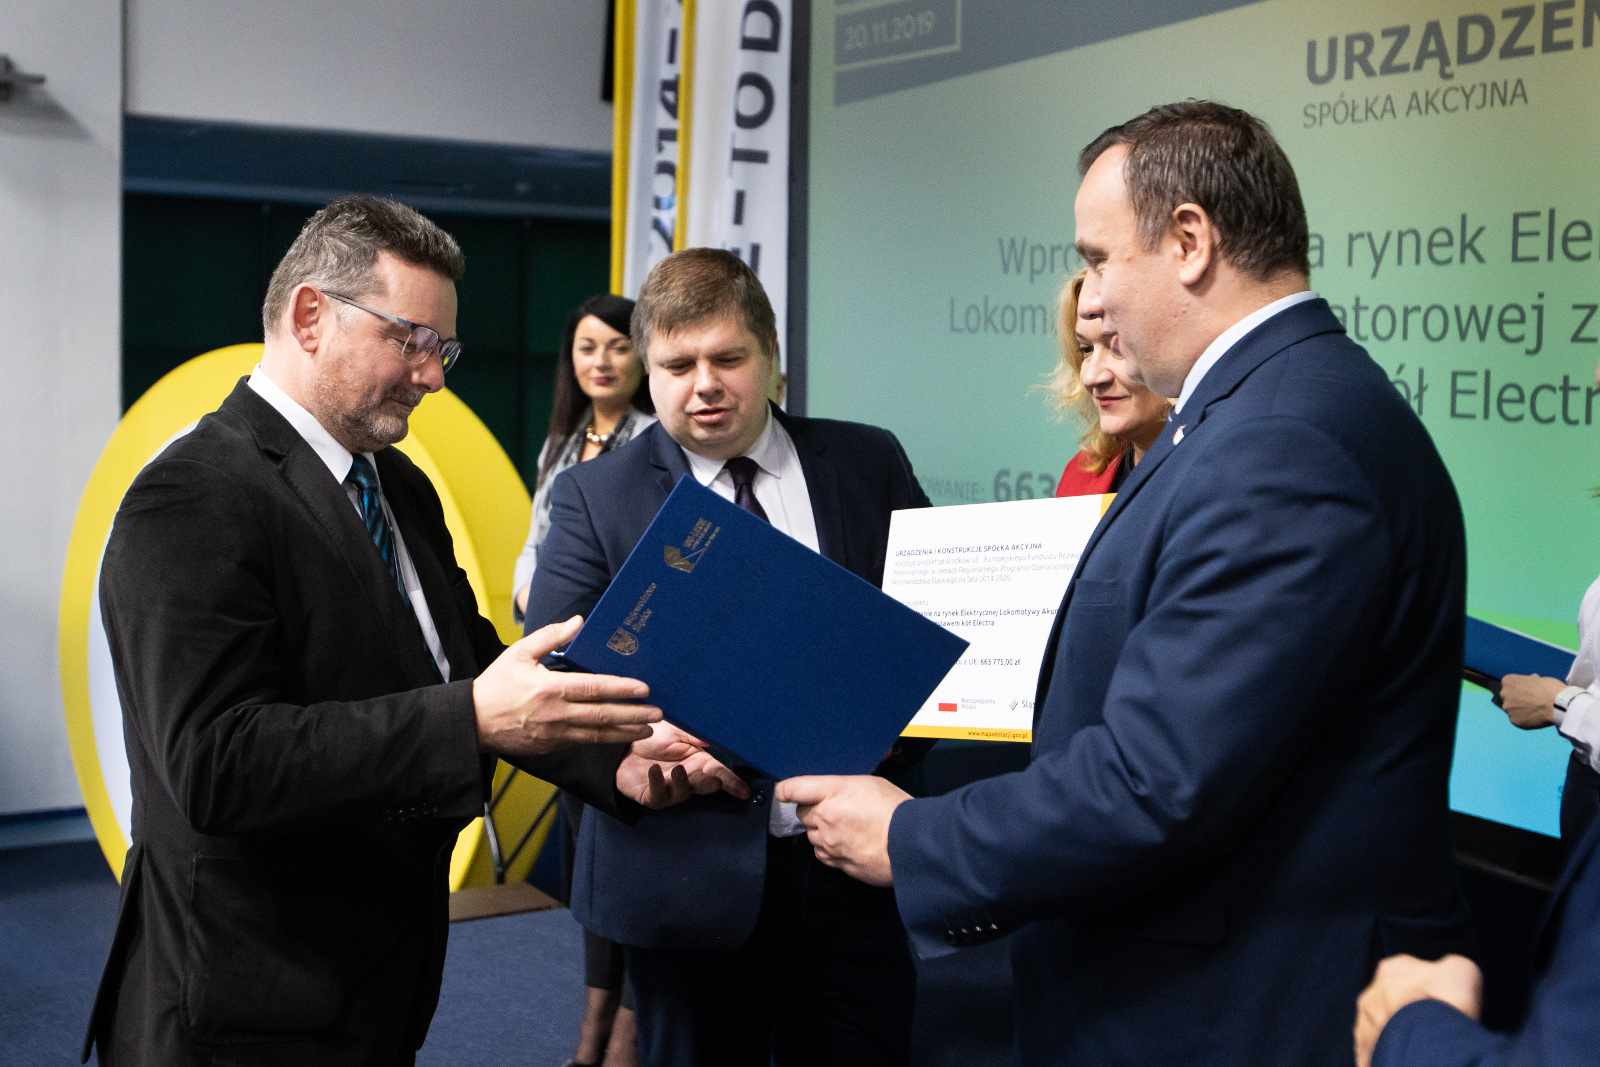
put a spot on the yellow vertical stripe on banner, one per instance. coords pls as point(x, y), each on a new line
point(680, 228)
point(621, 136)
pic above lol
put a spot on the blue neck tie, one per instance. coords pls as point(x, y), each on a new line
point(365, 479)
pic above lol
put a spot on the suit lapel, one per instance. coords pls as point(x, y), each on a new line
point(1136, 479)
point(453, 637)
point(1291, 326)
point(667, 459)
point(308, 478)
point(822, 486)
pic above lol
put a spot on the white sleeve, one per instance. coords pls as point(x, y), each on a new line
point(1581, 725)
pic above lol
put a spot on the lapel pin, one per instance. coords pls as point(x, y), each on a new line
point(1177, 435)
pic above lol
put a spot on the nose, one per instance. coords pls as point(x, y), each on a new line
point(706, 381)
point(1089, 303)
point(1096, 369)
point(429, 374)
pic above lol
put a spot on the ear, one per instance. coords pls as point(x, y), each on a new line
point(1195, 241)
point(306, 324)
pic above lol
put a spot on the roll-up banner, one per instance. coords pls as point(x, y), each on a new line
point(704, 150)
point(738, 176)
point(649, 68)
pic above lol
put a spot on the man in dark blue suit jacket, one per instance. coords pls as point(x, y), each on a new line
point(742, 948)
point(1423, 1014)
point(1238, 797)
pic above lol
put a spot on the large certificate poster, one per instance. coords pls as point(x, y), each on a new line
point(993, 574)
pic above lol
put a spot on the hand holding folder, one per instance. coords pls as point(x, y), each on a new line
point(671, 766)
point(1524, 673)
point(1492, 652)
point(780, 660)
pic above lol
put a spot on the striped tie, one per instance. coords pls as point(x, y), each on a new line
point(365, 479)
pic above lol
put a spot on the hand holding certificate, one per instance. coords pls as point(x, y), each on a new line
point(996, 574)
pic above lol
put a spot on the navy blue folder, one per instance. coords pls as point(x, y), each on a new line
point(1493, 652)
point(782, 660)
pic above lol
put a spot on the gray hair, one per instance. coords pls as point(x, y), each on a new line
point(338, 249)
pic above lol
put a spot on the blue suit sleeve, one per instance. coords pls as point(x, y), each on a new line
point(1272, 553)
point(573, 571)
point(1430, 1033)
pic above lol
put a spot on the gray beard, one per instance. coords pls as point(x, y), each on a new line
point(370, 431)
point(361, 430)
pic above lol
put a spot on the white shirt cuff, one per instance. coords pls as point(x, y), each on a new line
point(1582, 727)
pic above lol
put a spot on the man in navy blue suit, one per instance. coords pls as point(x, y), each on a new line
point(1237, 801)
point(1421, 1014)
point(742, 948)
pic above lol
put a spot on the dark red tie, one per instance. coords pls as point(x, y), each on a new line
point(742, 469)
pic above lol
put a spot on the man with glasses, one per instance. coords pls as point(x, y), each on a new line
point(312, 703)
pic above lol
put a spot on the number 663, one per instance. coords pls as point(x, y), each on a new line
point(1023, 486)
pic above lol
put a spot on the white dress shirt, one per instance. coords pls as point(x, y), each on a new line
point(1230, 337)
point(1582, 723)
point(338, 460)
point(780, 487)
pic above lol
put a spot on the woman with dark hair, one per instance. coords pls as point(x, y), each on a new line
point(598, 406)
point(1121, 418)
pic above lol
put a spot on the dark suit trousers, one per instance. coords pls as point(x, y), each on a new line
point(826, 980)
point(1580, 801)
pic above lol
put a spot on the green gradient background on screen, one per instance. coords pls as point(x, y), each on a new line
point(915, 193)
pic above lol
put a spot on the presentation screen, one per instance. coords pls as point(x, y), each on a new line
point(1448, 156)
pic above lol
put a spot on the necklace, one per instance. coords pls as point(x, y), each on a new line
point(596, 438)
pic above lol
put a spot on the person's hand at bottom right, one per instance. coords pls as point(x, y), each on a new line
point(847, 820)
point(1402, 980)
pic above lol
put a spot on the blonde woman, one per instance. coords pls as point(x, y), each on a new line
point(1121, 418)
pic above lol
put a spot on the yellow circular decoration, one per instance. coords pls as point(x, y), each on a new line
point(486, 509)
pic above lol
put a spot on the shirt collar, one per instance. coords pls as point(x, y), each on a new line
point(1230, 337)
point(767, 452)
point(334, 456)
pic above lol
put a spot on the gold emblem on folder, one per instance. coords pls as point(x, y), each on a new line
point(678, 561)
point(623, 643)
point(694, 546)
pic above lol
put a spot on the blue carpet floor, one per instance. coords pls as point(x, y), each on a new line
point(57, 907)
point(513, 987)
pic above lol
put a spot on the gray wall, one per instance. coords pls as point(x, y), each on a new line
point(60, 287)
point(509, 71)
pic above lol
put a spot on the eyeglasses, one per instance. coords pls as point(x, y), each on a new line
point(421, 341)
